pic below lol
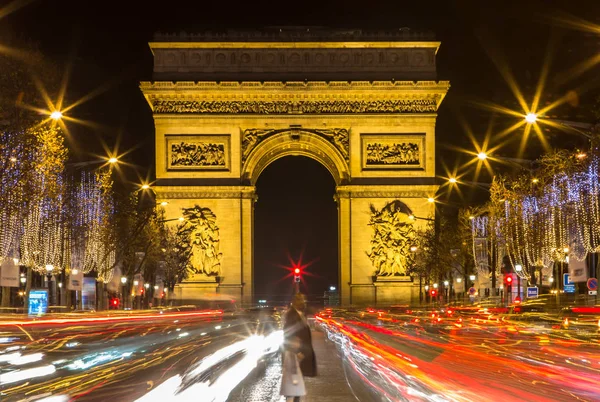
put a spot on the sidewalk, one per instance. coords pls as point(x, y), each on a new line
point(329, 385)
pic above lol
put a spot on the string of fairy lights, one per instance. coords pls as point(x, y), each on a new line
point(51, 221)
point(561, 219)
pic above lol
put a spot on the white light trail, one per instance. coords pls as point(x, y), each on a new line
point(20, 375)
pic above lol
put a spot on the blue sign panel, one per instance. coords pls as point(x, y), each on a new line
point(532, 292)
point(38, 302)
point(569, 287)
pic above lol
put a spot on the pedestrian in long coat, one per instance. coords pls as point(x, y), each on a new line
point(298, 353)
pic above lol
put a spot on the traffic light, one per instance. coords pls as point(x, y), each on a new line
point(508, 279)
point(297, 271)
point(114, 303)
point(433, 292)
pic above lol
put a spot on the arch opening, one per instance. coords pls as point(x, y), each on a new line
point(295, 225)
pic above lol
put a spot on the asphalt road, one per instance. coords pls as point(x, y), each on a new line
point(361, 355)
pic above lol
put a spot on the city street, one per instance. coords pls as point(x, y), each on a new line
point(366, 355)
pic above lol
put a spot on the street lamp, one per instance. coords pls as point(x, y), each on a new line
point(531, 118)
point(518, 268)
point(431, 200)
point(113, 160)
point(56, 115)
point(145, 186)
point(452, 180)
point(482, 156)
point(123, 282)
point(49, 269)
point(472, 277)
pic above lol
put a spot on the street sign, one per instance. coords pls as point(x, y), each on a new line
point(592, 292)
point(472, 291)
point(532, 292)
point(592, 284)
point(569, 287)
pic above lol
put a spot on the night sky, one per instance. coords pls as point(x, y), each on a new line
point(105, 45)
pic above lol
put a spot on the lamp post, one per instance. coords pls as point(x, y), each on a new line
point(123, 282)
point(518, 269)
point(49, 269)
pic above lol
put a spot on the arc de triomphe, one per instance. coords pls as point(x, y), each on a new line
point(226, 106)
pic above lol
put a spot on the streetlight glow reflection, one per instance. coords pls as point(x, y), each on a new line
point(56, 115)
point(531, 118)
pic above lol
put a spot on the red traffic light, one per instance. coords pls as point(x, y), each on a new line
point(433, 292)
point(297, 271)
point(509, 279)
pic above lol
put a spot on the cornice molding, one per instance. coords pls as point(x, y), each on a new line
point(374, 191)
point(429, 86)
point(183, 192)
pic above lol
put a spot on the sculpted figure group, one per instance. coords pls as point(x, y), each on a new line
point(393, 234)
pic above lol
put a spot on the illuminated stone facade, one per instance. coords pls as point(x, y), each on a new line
point(225, 109)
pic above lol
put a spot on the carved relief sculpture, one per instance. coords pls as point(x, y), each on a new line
point(204, 235)
point(402, 153)
point(197, 153)
point(393, 234)
point(337, 136)
point(393, 151)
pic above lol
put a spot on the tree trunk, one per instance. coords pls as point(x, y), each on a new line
point(5, 296)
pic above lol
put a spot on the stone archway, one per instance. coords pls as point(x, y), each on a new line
point(220, 122)
point(276, 144)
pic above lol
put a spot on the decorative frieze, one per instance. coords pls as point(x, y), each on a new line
point(295, 107)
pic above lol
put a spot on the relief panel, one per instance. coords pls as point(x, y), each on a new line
point(198, 152)
point(393, 151)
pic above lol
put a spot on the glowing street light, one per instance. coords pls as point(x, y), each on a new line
point(459, 280)
point(49, 268)
point(535, 180)
point(413, 248)
point(482, 156)
point(332, 288)
point(113, 160)
point(531, 118)
point(145, 186)
point(472, 277)
point(56, 115)
point(164, 203)
point(181, 219)
point(123, 280)
point(452, 180)
point(431, 200)
point(146, 285)
point(435, 285)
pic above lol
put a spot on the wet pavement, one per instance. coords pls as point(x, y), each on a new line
point(329, 385)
